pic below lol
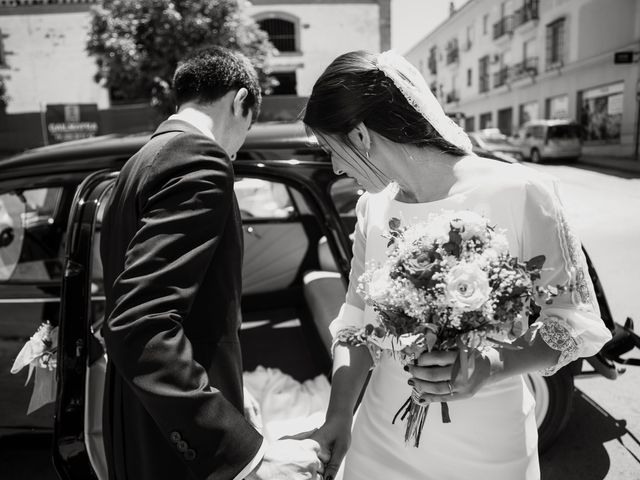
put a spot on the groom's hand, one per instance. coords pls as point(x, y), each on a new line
point(290, 460)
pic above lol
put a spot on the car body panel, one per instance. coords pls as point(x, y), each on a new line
point(494, 142)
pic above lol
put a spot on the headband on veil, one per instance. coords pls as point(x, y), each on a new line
point(414, 88)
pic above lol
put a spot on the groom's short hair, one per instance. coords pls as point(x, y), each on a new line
point(210, 73)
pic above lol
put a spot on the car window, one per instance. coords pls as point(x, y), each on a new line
point(30, 237)
point(537, 131)
point(564, 132)
point(258, 198)
point(345, 193)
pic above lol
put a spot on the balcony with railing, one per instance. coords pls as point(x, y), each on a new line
point(527, 13)
point(432, 64)
point(43, 3)
point(503, 27)
point(527, 68)
point(453, 53)
point(483, 83)
point(501, 77)
point(452, 96)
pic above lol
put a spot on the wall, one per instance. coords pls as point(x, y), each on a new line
point(326, 31)
point(47, 59)
point(594, 31)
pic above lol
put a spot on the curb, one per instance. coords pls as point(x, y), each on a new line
point(625, 165)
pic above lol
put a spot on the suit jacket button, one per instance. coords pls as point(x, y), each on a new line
point(190, 455)
point(175, 437)
point(182, 446)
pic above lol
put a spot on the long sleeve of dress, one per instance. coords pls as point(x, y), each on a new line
point(570, 324)
point(351, 315)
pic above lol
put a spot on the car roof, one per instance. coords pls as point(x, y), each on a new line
point(262, 136)
point(548, 123)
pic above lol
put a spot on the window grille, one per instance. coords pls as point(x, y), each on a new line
point(282, 33)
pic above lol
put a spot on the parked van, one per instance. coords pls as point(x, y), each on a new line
point(541, 140)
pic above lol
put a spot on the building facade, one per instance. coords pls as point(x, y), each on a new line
point(502, 63)
point(43, 61)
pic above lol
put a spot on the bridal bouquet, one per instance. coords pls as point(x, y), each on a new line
point(39, 354)
point(447, 283)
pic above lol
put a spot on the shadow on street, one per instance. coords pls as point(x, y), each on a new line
point(597, 168)
point(578, 454)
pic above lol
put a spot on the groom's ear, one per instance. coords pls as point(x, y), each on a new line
point(237, 106)
point(360, 138)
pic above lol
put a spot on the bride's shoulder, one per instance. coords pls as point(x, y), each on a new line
point(502, 177)
point(361, 205)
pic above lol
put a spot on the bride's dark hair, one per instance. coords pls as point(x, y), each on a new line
point(352, 90)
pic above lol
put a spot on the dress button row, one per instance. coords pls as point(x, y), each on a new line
point(190, 455)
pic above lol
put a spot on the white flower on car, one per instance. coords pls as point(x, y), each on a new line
point(467, 287)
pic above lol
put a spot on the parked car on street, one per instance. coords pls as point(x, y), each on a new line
point(296, 266)
point(494, 141)
point(541, 140)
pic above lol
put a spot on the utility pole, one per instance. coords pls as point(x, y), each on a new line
point(637, 135)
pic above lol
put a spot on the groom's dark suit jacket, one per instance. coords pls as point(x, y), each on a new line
point(172, 253)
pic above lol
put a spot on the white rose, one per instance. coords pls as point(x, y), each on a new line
point(490, 255)
point(475, 225)
point(380, 283)
point(500, 243)
point(467, 287)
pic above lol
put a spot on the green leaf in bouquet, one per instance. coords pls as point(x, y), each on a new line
point(394, 224)
point(504, 345)
point(432, 327)
point(536, 263)
point(431, 339)
point(453, 246)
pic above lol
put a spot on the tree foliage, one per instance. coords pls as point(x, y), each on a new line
point(138, 43)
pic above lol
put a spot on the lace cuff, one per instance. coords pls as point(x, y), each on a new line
point(558, 335)
point(356, 337)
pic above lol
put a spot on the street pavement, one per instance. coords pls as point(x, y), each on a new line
point(602, 438)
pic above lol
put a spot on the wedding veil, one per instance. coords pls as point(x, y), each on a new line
point(414, 88)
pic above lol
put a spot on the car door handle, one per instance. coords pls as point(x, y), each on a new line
point(252, 231)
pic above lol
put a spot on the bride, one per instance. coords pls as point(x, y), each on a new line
point(385, 129)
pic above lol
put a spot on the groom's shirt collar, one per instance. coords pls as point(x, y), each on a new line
point(196, 119)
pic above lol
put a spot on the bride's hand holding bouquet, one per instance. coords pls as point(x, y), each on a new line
point(434, 379)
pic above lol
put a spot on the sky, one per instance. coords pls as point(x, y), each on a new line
point(412, 20)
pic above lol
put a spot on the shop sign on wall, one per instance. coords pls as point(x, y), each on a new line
point(65, 122)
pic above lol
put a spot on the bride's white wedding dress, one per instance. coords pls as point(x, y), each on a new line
point(493, 435)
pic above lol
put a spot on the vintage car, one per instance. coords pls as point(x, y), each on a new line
point(297, 218)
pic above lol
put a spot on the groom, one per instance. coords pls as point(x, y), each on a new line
point(172, 252)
